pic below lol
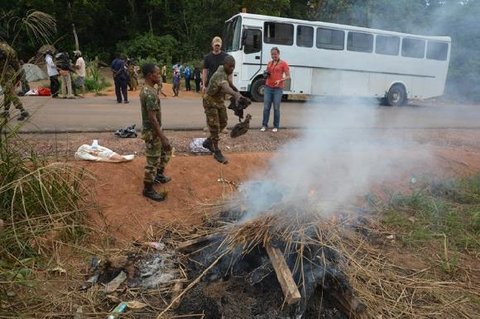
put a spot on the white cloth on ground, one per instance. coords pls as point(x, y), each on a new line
point(100, 154)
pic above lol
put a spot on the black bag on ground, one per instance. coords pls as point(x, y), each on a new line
point(128, 132)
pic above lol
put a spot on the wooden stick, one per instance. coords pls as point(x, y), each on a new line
point(195, 241)
point(177, 288)
point(284, 275)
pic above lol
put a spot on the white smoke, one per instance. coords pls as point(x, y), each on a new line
point(338, 158)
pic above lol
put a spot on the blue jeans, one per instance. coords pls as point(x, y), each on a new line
point(272, 95)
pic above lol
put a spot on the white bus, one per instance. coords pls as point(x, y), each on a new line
point(337, 60)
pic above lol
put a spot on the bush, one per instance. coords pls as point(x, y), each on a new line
point(94, 81)
point(149, 46)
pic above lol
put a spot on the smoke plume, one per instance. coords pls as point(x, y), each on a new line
point(336, 160)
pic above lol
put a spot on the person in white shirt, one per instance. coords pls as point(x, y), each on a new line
point(52, 73)
point(80, 70)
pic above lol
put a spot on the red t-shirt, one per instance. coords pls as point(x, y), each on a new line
point(276, 70)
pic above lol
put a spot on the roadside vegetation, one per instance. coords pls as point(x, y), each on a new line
point(448, 211)
point(95, 81)
point(42, 204)
point(440, 218)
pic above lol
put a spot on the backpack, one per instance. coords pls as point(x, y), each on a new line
point(62, 61)
point(188, 72)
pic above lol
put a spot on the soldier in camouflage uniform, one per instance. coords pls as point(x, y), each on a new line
point(10, 76)
point(158, 150)
point(215, 109)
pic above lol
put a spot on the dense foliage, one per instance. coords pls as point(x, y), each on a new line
point(181, 30)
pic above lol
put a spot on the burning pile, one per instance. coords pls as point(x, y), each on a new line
point(283, 250)
point(286, 260)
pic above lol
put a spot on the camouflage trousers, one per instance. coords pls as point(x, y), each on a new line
point(10, 97)
point(157, 158)
point(217, 118)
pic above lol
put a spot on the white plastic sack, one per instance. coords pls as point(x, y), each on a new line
point(32, 92)
point(99, 153)
point(197, 147)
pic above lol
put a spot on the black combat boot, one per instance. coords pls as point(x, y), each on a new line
point(217, 154)
point(208, 144)
point(160, 178)
point(23, 115)
point(149, 192)
point(219, 157)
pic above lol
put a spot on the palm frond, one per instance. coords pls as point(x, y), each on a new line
point(39, 26)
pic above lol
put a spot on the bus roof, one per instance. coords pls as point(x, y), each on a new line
point(336, 26)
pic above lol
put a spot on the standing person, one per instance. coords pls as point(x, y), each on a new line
point(52, 74)
point(277, 73)
point(120, 78)
point(164, 73)
point(212, 61)
point(132, 75)
point(10, 76)
point(62, 61)
point(197, 78)
point(215, 109)
point(158, 150)
point(81, 71)
point(23, 81)
point(176, 82)
point(187, 73)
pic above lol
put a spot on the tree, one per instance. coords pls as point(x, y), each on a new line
point(149, 46)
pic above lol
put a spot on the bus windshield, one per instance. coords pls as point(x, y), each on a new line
point(231, 35)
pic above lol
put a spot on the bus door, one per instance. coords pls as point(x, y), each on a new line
point(252, 49)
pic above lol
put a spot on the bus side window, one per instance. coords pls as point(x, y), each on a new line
point(437, 50)
point(413, 48)
point(278, 33)
point(360, 42)
point(252, 40)
point(304, 36)
point(388, 45)
point(330, 39)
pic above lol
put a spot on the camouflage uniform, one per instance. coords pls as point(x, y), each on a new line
point(213, 103)
point(157, 158)
point(10, 75)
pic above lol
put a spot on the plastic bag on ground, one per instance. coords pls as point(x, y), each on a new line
point(197, 147)
point(100, 153)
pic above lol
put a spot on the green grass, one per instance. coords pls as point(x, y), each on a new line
point(438, 209)
point(95, 82)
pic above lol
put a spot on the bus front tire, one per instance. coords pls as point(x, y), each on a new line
point(397, 95)
point(257, 90)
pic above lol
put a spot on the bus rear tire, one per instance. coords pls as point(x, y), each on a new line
point(397, 95)
point(257, 90)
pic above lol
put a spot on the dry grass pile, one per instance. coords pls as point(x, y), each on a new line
point(387, 287)
point(42, 215)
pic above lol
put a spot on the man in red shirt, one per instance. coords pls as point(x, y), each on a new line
point(277, 73)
